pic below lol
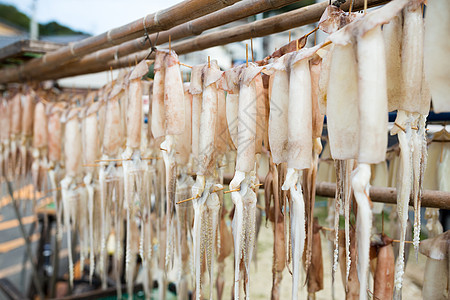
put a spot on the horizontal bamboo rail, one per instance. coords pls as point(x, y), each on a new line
point(430, 198)
point(151, 23)
point(224, 16)
point(295, 18)
point(435, 199)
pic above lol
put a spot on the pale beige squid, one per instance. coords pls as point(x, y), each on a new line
point(70, 192)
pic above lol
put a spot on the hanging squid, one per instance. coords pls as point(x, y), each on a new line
point(383, 287)
point(206, 205)
point(244, 198)
point(16, 130)
point(174, 112)
point(373, 108)
point(40, 146)
point(184, 184)
point(69, 185)
point(133, 166)
point(91, 153)
point(436, 276)
point(27, 131)
point(343, 134)
point(5, 136)
point(111, 183)
point(412, 100)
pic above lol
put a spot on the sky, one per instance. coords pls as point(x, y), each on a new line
point(91, 16)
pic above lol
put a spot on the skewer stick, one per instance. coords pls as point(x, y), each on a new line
point(230, 191)
point(251, 47)
point(325, 44)
point(296, 45)
point(215, 191)
point(399, 126)
point(246, 55)
point(111, 70)
point(170, 48)
point(91, 165)
point(209, 61)
point(260, 207)
point(365, 7)
point(398, 241)
point(311, 32)
point(198, 196)
point(351, 7)
point(289, 36)
point(189, 199)
point(184, 65)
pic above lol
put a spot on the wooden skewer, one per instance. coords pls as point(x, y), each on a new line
point(289, 36)
point(325, 44)
point(170, 43)
point(209, 61)
point(215, 191)
point(260, 207)
point(184, 65)
point(296, 45)
point(312, 31)
point(351, 7)
point(230, 191)
point(398, 241)
point(251, 47)
point(365, 7)
point(399, 126)
point(246, 55)
point(198, 196)
point(189, 199)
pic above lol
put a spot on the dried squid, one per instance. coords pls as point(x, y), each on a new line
point(133, 166)
point(91, 153)
point(206, 205)
point(436, 275)
point(69, 185)
point(111, 183)
point(40, 146)
point(27, 131)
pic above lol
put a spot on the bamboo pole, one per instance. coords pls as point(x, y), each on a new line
point(151, 23)
point(430, 198)
point(435, 199)
point(229, 14)
point(292, 19)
